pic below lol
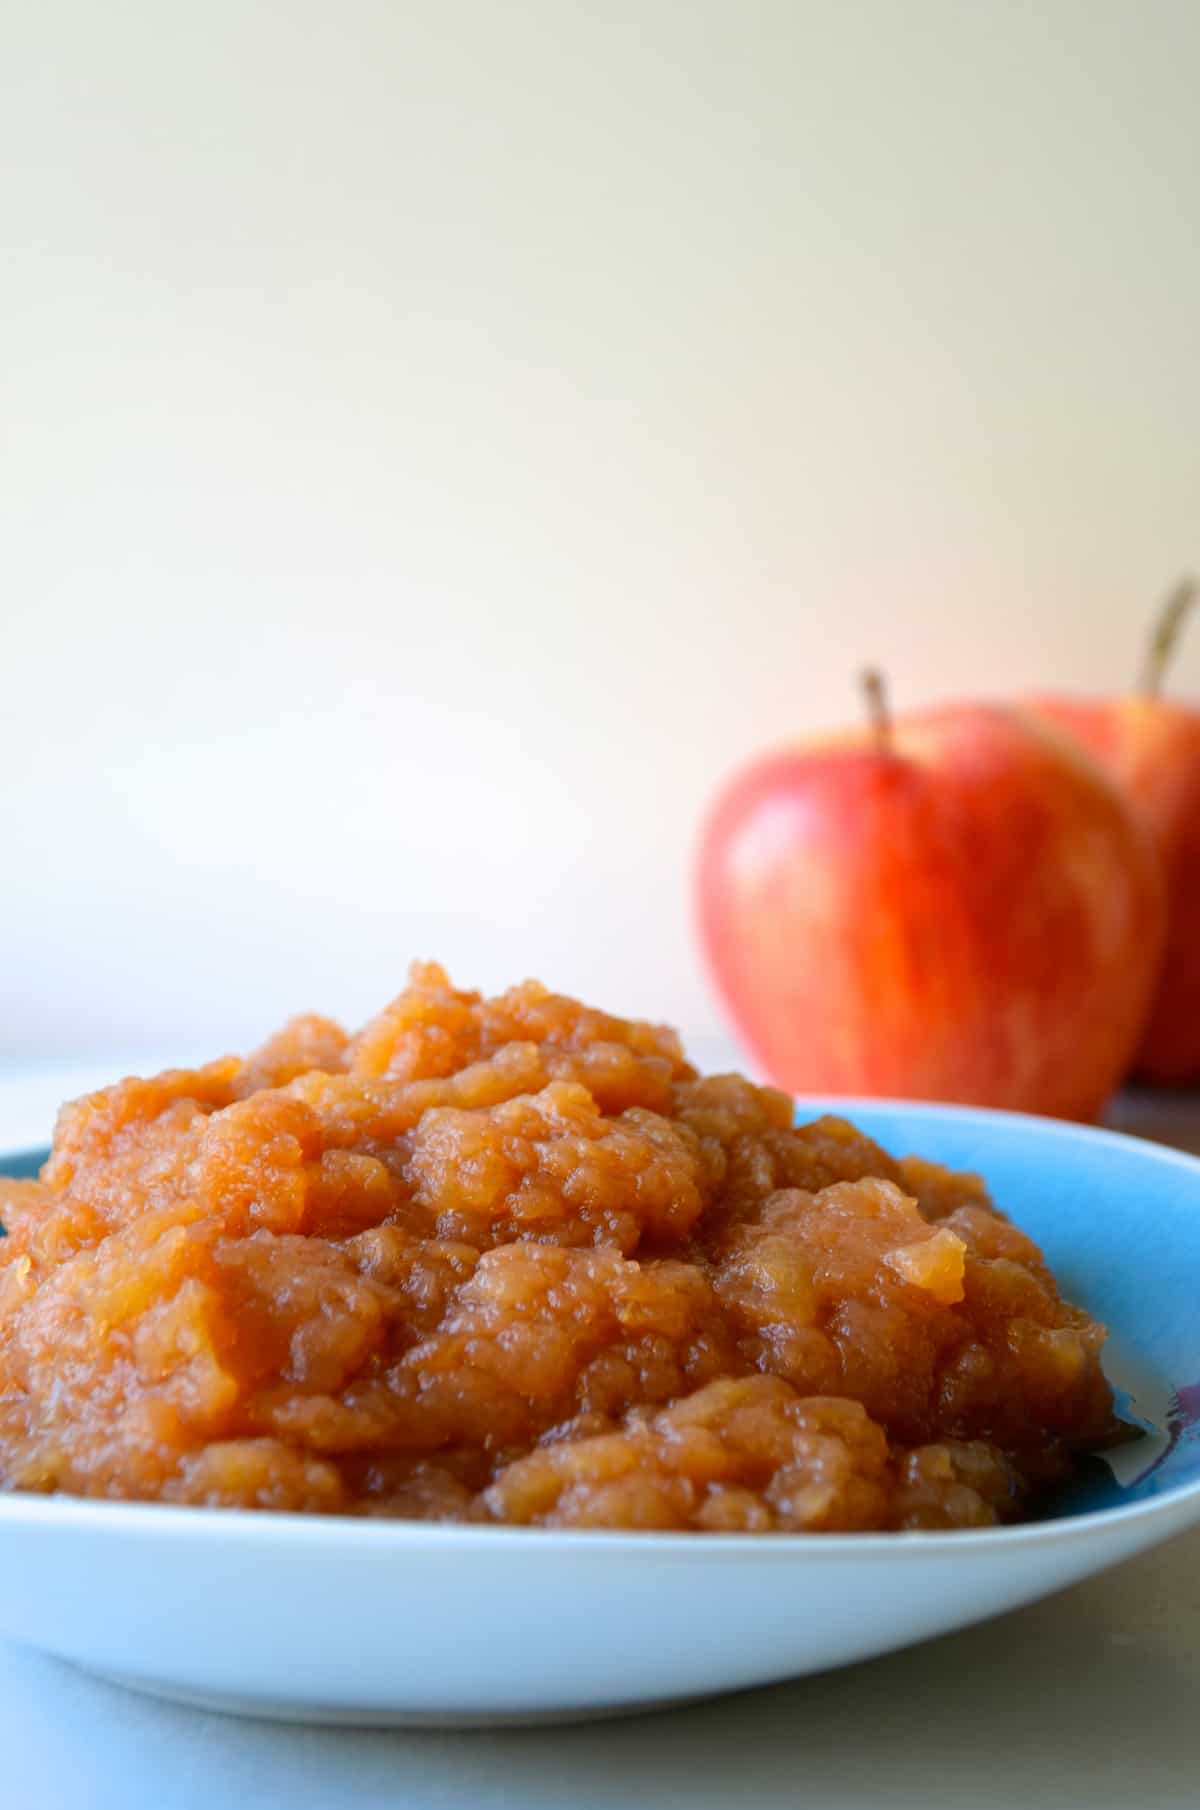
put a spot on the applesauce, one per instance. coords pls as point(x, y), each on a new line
point(512, 1260)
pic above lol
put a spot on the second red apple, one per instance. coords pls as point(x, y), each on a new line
point(1150, 747)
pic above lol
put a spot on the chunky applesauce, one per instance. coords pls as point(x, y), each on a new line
point(513, 1260)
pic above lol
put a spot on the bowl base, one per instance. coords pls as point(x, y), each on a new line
point(269, 1709)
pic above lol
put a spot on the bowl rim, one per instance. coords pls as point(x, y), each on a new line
point(1038, 1124)
point(184, 1520)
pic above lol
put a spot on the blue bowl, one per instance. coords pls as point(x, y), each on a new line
point(25, 1165)
point(1118, 1219)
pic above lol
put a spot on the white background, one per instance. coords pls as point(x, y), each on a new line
point(439, 439)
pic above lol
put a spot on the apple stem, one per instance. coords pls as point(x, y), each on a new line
point(878, 714)
point(1165, 635)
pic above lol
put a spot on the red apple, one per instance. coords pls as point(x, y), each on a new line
point(1150, 746)
point(950, 906)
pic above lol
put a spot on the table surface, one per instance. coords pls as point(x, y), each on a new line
point(1090, 1699)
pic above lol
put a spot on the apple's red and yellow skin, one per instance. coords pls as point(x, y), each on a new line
point(964, 909)
point(1150, 747)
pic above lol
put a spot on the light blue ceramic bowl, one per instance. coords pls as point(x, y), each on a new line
point(217, 1606)
point(26, 1164)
